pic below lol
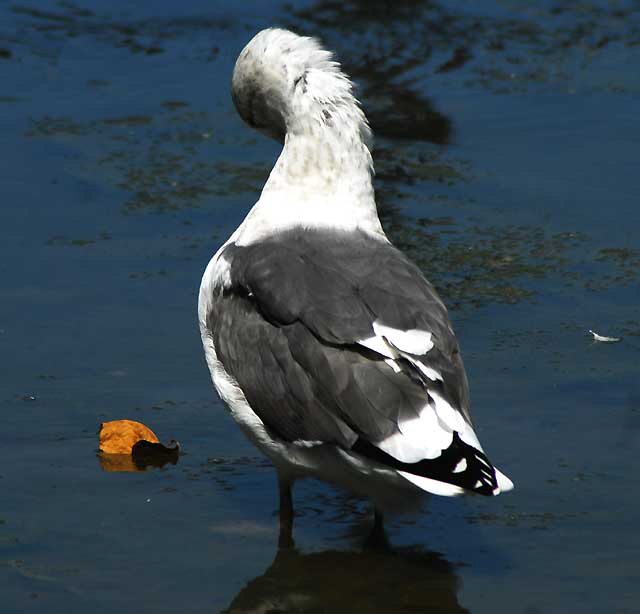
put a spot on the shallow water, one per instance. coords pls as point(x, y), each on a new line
point(506, 158)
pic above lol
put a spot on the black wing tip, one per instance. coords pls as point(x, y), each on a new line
point(478, 476)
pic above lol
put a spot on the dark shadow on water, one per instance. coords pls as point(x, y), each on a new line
point(396, 107)
point(396, 40)
point(379, 580)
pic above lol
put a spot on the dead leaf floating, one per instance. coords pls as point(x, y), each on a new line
point(603, 339)
point(126, 445)
point(119, 436)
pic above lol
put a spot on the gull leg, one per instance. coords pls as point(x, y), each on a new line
point(285, 539)
point(378, 521)
point(377, 539)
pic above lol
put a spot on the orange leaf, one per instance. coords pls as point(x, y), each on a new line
point(119, 436)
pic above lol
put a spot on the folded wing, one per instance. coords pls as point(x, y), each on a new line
point(340, 339)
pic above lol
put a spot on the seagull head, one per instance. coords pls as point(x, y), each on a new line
point(285, 83)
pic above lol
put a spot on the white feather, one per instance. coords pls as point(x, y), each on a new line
point(450, 416)
point(433, 486)
point(394, 365)
point(393, 343)
point(604, 339)
point(427, 371)
point(418, 438)
point(379, 345)
point(504, 483)
point(413, 341)
point(461, 466)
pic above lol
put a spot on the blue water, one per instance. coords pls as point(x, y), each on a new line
point(124, 166)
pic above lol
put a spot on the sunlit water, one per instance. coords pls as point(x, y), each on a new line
point(507, 166)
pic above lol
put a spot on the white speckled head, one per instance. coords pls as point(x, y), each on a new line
point(283, 83)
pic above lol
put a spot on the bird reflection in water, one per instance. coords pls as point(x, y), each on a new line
point(373, 580)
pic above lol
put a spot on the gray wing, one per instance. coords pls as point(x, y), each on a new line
point(317, 330)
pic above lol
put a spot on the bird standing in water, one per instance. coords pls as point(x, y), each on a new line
point(331, 350)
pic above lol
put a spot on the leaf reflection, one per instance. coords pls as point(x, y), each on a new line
point(144, 455)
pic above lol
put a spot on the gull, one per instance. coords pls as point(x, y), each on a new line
point(329, 347)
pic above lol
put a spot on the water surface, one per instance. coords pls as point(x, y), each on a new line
point(506, 151)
